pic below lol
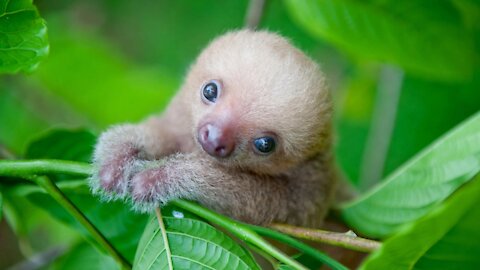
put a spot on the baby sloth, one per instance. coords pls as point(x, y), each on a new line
point(249, 135)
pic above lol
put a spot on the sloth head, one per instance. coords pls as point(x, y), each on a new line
point(258, 102)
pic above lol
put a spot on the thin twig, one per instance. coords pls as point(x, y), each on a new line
point(165, 239)
point(5, 153)
point(344, 240)
point(265, 255)
point(40, 260)
point(254, 13)
point(381, 128)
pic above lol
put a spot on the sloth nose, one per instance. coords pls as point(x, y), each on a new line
point(216, 140)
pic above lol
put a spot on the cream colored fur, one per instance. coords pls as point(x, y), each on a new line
point(267, 86)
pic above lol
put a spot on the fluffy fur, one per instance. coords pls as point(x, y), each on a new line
point(268, 86)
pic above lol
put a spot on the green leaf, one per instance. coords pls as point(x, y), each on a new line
point(194, 244)
point(120, 225)
point(23, 36)
point(421, 184)
point(84, 256)
point(446, 238)
point(425, 37)
point(75, 145)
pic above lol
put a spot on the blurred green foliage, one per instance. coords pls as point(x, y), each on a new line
point(107, 66)
point(446, 238)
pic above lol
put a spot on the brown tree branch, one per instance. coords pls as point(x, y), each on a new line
point(346, 240)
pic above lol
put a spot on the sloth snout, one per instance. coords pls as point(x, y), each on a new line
point(216, 140)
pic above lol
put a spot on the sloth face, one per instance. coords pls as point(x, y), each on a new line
point(258, 102)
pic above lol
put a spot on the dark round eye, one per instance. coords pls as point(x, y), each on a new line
point(210, 91)
point(264, 145)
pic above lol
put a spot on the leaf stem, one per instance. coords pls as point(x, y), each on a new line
point(381, 127)
point(26, 168)
point(262, 253)
point(333, 238)
point(320, 256)
point(50, 187)
point(240, 230)
point(254, 13)
point(30, 169)
point(164, 236)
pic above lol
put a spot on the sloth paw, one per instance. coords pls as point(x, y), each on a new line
point(113, 176)
point(149, 189)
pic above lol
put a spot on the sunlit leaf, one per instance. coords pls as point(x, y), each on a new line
point(425, 113)
point(194, 244)
point(23, 36)
point(426, 37)
point(446, 238)
point(421, 184)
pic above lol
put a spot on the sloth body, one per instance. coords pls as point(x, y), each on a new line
point(248, 135)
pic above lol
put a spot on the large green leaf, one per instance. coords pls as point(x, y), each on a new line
point(421, 184)
point(426, 37)
point(194, 244)
point(446, 238)
point(23, 36)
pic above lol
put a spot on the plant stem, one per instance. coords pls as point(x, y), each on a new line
point(30, 169)
point(381, 127)
point(299, 246)
point(262, 253)
point(27, 168)
point(50, 187)
point(332, 238)
point(240, 230)
point(254, 13)
point(165, 238)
